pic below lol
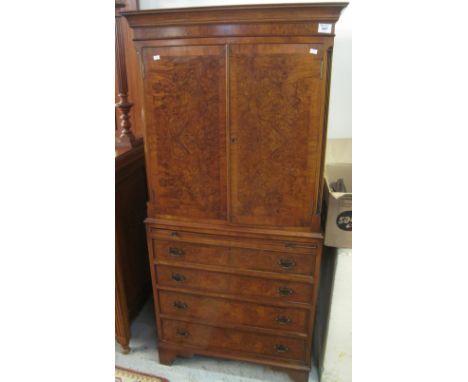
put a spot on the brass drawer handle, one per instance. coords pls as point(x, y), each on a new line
point(182, 333)
point(287, 263)
point(176, 252)
point(280, 348)
point(178, 278)
point(293, 245)
point(284, 291)
point(283, 320)
point(179, 305)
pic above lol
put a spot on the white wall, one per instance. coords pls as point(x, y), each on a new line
point(337, 362)
point(339, 121)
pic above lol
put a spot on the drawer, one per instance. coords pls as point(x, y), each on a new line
point(236, 285)
point(208, 337)
point(311, 246)
point(233, 257)
point(220, 310)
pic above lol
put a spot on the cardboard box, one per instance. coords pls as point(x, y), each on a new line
point(338, 206)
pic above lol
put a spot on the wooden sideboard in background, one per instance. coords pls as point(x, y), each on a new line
point(132, 274)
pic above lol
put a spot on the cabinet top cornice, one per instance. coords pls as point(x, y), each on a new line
point(236, 13)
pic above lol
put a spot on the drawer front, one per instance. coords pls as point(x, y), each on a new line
point(234, 257)
point(312, 246)
point(234, 284)
point(221, 310)
point(207, 337)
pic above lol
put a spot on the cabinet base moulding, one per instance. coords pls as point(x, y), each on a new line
point(168, 353)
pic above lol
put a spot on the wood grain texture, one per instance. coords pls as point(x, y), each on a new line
point(133, 282)
point(234, 257)
point(236, 285)
point(235, 103)
point(124, 137)
point(122, 322)
point(275, 118)
point(183, 226)
point(187, 158)
point(132, 71)
point(231, 29)
point(256, 13)
point(219, 310)
point(204, 336)
point(253, 239)
point(134, 82)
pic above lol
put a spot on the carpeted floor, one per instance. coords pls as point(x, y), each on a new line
point(143, 357)
point(126, 375)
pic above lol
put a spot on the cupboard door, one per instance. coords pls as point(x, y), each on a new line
point(186, 131)
point(276, 101)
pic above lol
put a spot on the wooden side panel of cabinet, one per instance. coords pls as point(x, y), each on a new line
point(275, 114)
point(132, 271)
point(185, 91)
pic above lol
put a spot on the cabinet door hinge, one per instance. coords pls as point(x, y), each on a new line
point(321, 70)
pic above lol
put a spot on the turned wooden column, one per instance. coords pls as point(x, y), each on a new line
point(125, 137)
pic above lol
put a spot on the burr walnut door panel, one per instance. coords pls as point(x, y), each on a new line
point(276, 102)
point(186, 131)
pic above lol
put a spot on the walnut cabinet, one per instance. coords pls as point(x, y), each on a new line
point(235, 111)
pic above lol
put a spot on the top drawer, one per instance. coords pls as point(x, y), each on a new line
point(233, 257)
point(181, 248)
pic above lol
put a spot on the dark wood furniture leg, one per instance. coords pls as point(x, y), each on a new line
point(122, 324)
point(298, 375)
point(167, 357)
point(124, 345)
point(294, 375)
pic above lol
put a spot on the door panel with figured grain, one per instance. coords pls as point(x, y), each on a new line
point(276, 103)
point(186, 130)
